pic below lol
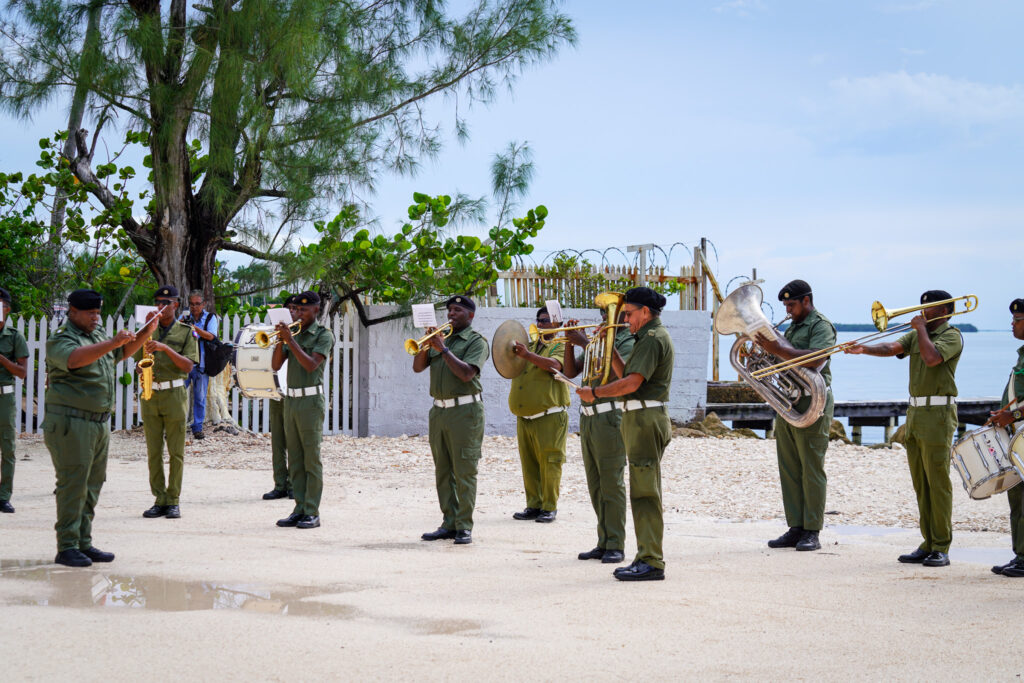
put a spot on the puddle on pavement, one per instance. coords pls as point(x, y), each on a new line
point(79, 588)
point(393, 546)
point(980, 555)
point(447, 627)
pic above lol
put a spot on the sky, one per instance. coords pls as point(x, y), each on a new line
point(871, 148)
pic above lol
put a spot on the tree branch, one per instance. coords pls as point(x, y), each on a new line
point(252, 251)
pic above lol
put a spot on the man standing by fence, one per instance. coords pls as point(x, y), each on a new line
point(13, 363)
point(76, 429)
point(204, 327)
point(174, 353)
point(278, 443)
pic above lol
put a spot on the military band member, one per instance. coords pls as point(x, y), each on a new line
point(13, 363)
point(643, 384)
point(456, 419)
point(539, 402)
point(801, 451)
point(604, 453)
point(76, 428)
point(165, 415)
point(934, 348)
point(278, 444)
point(306, 352)
point(1012, 414)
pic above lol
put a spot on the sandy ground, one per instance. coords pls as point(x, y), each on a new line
point(224, 594)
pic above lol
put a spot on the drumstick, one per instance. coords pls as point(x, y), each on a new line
point(1006, 407)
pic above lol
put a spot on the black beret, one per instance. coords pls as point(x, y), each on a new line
point(309, 298)
point(645, 296)
point(167, 292)
point(289, 300)
point(85, 299)
point(461, 300)
point(935, 295)
point(543, 310)
point(1017, 306)
point(797, 289)
point(5, 295)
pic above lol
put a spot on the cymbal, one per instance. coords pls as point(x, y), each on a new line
point(507, 363)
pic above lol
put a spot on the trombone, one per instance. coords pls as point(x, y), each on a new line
point(263, 339)
point(881, 315)
point(414, 346)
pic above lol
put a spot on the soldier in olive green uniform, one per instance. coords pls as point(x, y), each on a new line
point(306, 352)
point(13, 363)
point(165, 415)
point(934, 348)
point(457, 418)
point(539, 401)
point(646, 429)
point(1013, 416)
point(278, 441)
point(76, 428)
point(604, 453)
point(801, 451)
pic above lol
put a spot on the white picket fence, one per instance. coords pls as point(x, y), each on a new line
point(341, 379)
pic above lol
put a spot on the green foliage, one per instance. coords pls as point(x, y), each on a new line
point(576, 282)
point(419, 262)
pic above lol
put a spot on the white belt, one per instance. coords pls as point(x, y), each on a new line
point(640, 405)
point(549, 411)
point(160, 386)
point(304, 391)
point(8, 389)
point(925, 401)
point(599, 408)
point(457, 401)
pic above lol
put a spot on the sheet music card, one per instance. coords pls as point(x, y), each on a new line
point(424, 315)
point(279, 315)
point(141, 313)
point(554, 310)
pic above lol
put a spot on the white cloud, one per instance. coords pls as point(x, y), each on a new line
point(901, 97)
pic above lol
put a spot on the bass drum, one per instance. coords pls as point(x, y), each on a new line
point(984, 461)
point(252, 370)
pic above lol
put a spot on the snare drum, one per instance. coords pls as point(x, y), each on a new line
point(982, 458)
point(253, 373)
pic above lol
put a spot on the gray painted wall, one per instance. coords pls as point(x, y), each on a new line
point(396, 399)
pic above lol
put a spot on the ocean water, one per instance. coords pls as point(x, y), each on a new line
point(982, 372)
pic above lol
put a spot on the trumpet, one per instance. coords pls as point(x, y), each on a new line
point(263, 339)
point(536, 333)
point(881, 315)
point(414, 346)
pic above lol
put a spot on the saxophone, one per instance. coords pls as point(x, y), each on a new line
point(145, 367)
point(740, 314)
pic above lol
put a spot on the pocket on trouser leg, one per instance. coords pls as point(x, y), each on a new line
point(643, 478)
point(470, 454)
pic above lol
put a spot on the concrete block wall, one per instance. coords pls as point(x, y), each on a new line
point(396, 400)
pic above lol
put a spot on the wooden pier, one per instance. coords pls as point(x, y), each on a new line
point(973, 411)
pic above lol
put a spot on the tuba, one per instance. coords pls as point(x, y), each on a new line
point(597, 357)
point(740, 314)
point(145, 367)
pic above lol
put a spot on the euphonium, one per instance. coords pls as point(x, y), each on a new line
point(145, 367)
point(740, 314)
point(597, 358)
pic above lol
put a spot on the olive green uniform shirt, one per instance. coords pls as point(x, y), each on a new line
point(179, 338)
point(652, 357)
point(939, 380)
point(13, 346)
point(624, 341)
point(535, 389)
point(468, 346)
point(1016, 381)
point(313, 339)
point(814, 332)
point(89, 388)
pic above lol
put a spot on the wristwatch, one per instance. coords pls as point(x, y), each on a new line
point(1016, 415)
